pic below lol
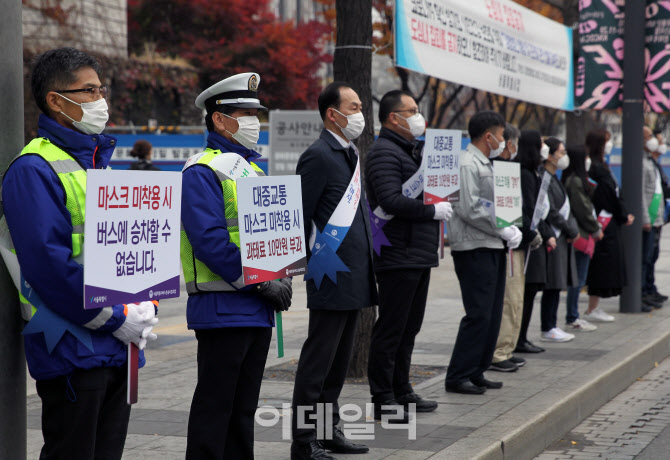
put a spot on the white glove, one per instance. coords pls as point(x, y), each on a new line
point(140, 320)
point(513, 236)
point(537, 242)
point(443, 211)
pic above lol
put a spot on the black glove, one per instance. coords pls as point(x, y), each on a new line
point(278, 293)
point(288, 282)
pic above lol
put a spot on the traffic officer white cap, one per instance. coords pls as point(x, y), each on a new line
point(240, 90)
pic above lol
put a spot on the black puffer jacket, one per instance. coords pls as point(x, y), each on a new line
point(413, 234)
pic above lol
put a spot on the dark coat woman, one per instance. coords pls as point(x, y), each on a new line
point(607, 271)
point(530, 144)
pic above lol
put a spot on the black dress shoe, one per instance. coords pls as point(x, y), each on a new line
point(646, 308)
point(650, 301)
point(422, 405)
point(660, 297)
point(520, 362)
point(484, 383)
point(341, 445)
point(391, 411)
point(528, 347)
point(309, 451)
point(466, 388)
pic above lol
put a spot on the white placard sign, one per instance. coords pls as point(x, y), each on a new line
point(507, 193)
point(493, 45)
point(441, 166)
point(291, 132)
point(131, 239)
point(272, 233)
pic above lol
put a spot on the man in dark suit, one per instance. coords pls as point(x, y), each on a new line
point(340, 280)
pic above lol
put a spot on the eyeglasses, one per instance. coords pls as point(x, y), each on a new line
point(93, 91)
point(412, 111)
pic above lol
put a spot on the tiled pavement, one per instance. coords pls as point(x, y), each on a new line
point(551, 395)
point(624, 427)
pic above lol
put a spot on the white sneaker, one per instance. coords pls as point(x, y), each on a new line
point(556, 335)
point(581, 325)
point(599, 315)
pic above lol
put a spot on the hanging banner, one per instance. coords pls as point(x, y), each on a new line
point(599, 82)
point(271, 228)
point(492, 45)
point(441, 166)
point(507, 193)
point(131, 239)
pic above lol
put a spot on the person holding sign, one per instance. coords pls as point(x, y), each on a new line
point(81, 374)
point(561, 266)
point(340, 280)
point(503, 359)
point(403, 264)
point(534, 185)
point(232, 322)
point(653, 218)
point(479, 257)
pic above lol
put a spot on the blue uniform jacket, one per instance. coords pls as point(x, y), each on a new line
point(204, 220)
point(41, 229)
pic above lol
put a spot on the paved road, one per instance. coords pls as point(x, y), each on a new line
point(634, 425)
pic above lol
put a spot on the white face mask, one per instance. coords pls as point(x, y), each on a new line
point(416, 123)
point(496, 152)
point(248, 131)
point(563, 162)
point(608, 147)
point(95, 116)
point(516, 151)
point(588, 164)
point(355, 125)
point(652, 144)
point(544, 152)
point(662, 149)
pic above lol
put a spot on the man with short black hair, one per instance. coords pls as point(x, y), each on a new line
point(78, 357)
point(479, 257)
point(340, 280)
point(406, 237)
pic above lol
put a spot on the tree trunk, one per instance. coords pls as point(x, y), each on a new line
point(575, 122)
point(353, 64)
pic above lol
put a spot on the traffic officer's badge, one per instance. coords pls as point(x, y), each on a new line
point(253, 83)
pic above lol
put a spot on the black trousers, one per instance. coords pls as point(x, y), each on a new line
point(322, 367)
point(85, 414)
point(549, 309)
point(402, 303)
point(481, 275)
point(231, 361)
point(529, 294)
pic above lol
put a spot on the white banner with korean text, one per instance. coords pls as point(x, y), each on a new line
point(493, 45)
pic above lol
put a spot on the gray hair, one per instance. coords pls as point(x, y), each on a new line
point(511, 133)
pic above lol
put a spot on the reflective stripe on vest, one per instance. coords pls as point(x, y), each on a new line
point(198, 277)
point(73, 179)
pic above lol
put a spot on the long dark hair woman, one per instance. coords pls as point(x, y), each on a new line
point(580, 189)
point(142, 151)
point(607, 271)
point(530, 158)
